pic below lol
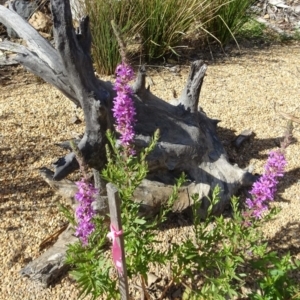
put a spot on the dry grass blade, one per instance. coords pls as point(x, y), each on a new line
point(52, 238)
point(289, 116)
point(285, 115)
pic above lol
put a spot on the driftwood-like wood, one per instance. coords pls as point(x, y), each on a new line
point(151, 194)
point(51, 264)
point(188, 139)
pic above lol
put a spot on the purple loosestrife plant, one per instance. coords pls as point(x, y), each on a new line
point(265, 188)
point(84, 211)
point(123, 110)
point(85, 196)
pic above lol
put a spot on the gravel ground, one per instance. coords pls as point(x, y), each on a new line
point(240, 90)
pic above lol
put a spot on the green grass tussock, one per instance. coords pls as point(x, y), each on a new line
point(159, 25)
point(227, 18)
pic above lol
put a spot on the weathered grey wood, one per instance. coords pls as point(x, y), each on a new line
point(66, 188)
point(7, 60)
point(51, 264)
point(190, 95)
point(151, 194)
point(115, 218)
point(102, 204)
point(188, 138)
point(35, 42)
point(66, 144)
point(9, 46)
point(91, 93)
point(37, 66)
point(241, 138)
point(140, 83)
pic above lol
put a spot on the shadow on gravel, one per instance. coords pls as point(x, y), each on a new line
point(250, 149)
point(213, 53)
point(290, 178)
point(287, 239)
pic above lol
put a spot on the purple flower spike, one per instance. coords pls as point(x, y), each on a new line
point(265, 188)
point(84, 211)
point(123, 110)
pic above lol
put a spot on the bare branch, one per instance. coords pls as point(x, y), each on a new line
point(190, 95)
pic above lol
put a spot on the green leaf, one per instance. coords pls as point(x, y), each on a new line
point(68, 213)
point(140, 221)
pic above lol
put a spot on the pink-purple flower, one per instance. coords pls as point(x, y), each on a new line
point(84, 211)
point(265, 188)
point(123, 110)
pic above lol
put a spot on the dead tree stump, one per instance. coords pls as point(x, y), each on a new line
point(188, 140)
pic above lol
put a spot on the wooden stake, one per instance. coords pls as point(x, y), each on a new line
point(115, 218)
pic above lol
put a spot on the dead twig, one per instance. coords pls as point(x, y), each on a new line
point(53, 237)
point(286, 115)
point(166, 289)
point(145, 294)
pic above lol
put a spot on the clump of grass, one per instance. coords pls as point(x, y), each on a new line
point(160, 25)
point(259, 32)
point(105, 46)
point(297, 35)
point(252, 29)
point(227, 18)
point(167, 22)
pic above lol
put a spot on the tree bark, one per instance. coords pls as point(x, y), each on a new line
point(188, 139)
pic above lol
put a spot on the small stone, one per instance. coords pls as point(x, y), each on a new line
point(297, 9)
point(152, 278)
point(75, 120)
point(266, 16)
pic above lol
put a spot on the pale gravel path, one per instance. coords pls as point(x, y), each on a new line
point(240, 91)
